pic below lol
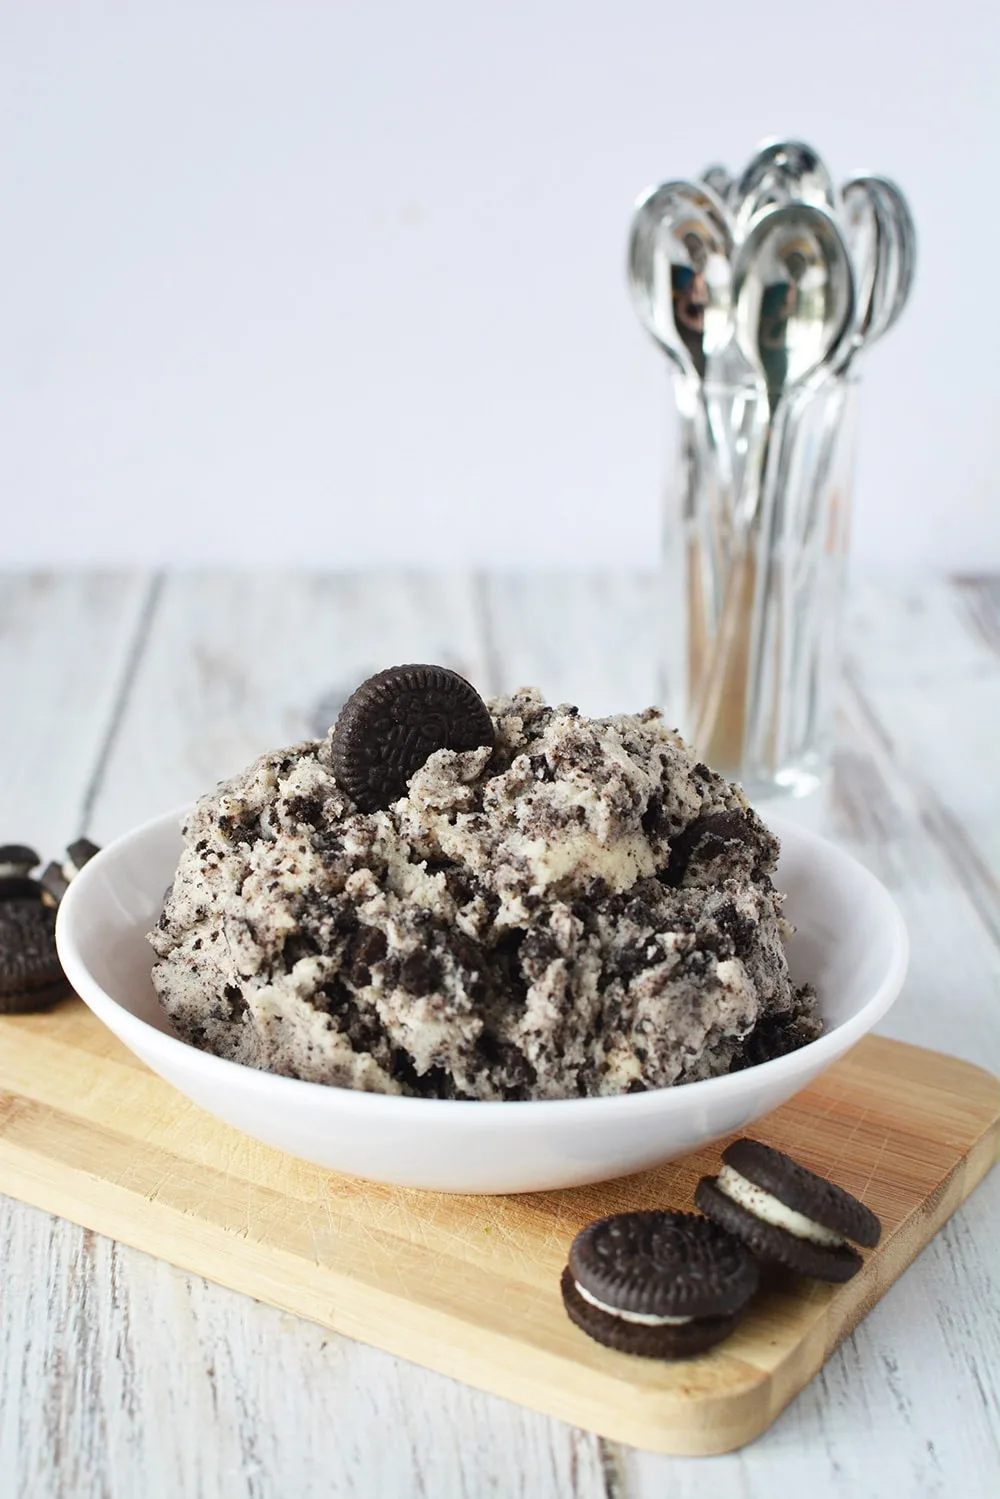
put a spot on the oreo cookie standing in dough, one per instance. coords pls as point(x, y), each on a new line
point(395, 721)
point(786, 1214)
point(659, 1284)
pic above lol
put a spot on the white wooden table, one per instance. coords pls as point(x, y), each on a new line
point(123, 695)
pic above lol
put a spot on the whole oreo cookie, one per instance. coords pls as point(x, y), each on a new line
point(395, 721)
point(30, 975)
point(786, 1214)
point(658, 1284)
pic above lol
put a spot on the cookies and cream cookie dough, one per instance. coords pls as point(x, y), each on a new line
point(566, 907)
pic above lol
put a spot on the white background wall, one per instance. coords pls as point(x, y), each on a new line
point(343, 283)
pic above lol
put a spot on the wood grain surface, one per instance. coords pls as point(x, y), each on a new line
point(120, 1375)
point(469, 1285)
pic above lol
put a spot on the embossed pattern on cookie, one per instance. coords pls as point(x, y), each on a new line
point(395, 721)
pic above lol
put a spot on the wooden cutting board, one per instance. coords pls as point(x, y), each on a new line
point(470, 1285)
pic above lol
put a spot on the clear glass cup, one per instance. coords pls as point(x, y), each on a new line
point(756, 531)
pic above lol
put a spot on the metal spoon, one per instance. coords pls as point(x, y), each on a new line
point(882, 240)
point(780, 172)
point(719, 179)
point(793, 294)
point(883, 243)
point(679, 274)
point(678, 270)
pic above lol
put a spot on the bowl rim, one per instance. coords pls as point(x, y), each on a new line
point(816, 1055)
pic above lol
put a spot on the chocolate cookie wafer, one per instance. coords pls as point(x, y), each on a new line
point(787, 1214)
point(395, 721)
point(659, 1284)
point(56, 877)
point(30, 974)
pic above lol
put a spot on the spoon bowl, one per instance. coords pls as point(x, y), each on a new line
point(780, 172)
point(793, 293)
point(882, 239)
point(679, 255)
point(719, 179)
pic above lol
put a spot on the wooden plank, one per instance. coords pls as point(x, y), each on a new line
point(882, 815)
point(585, 639)
point(125, 1376)
point(67, 644)
point(240, 663)
point(470, 1286)
point(925, 659)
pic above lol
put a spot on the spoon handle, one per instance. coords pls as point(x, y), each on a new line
point(739, 693)
point(721, 699)
point(803, 541)
point(771, 629)
point(706, 525)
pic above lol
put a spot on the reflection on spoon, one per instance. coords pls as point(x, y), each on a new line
point(678, 271)
point(679, 277)
point(793, 294)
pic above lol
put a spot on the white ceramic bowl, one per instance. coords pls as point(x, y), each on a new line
point(850, 942)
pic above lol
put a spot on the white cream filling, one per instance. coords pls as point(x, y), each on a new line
point(770, 1210)
point(7, 871)
point(645, 1319)
point(620, 863)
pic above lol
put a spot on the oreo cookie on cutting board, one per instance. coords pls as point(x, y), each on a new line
point(786, 1214)
point(30, 973)
point(31, 976)
point(660, 1284)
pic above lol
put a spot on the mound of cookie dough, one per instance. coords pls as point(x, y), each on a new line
point(579, 908)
